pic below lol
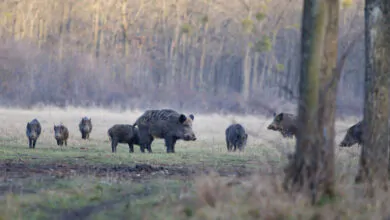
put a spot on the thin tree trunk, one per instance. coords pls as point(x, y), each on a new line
point(125, 41)
point(247, 73)
point(62, 30)
point(203, 55)
point(97, 31)
point(175, 46)
point(374, 159)
point(255, 77)
point(41, 33)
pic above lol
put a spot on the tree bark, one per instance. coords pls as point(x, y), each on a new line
point(374, 158)
point(328, 92)
point(309, 170)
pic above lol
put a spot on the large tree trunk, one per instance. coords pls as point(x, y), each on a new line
point(311, 170)
point(374, 156)
point(329, 83)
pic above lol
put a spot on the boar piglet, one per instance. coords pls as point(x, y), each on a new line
point(124, 134)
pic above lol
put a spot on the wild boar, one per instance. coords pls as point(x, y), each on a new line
point(236, 137)
point(166, 124)
point(125, 134)
point(285, 123)
point(85, 127)
point(353, 136)
point(33, 130)
point(61, 134)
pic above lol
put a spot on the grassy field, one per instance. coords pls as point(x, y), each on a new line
point(200, 181)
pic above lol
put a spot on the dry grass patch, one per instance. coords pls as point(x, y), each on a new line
point(262, 197)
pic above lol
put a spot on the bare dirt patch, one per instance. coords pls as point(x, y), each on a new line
point(17, 169)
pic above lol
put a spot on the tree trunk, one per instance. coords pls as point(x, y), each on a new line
point(327, 108)
point(374, 156)
point(247, 73)
point(97, 31)
point(125, 38)
point(203, 55)
point(306, 168)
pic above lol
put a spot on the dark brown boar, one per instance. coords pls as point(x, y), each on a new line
point(353, 136)
point(33, 130)
point(236, 137)
point(166, 124)
point(61, 134)
point(285, 123)
point(124, 134)
point(85, 127)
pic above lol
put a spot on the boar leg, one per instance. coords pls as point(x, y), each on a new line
point(148, 145)
point(170, 144)
point(29, 143)
point(227, 144)
point(145, 139)
point(142, 148)
point(114, 143)
point(34, 142)
point(131, 147)
point(149, 148)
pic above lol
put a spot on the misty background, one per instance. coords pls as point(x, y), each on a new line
point(236, 56)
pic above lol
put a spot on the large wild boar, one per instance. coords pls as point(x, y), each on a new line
point(85, 127)
point(33, 130)
point(235, 137)
point(125, 134)
point(353, 136)
point(61, 134)
point(166, 124)
point(285, 123)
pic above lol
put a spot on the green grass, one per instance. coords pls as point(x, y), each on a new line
point(93, 197)
point(92, 153)
point(43, 196)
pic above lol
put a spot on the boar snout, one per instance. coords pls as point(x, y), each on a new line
point(344, 144)
point(190, 137)
point(33, 134)
point(271, 127)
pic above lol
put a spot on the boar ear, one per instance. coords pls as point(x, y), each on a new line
point(192, 116)
point(182, 118)
point(274, 114)
point(280, 117)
